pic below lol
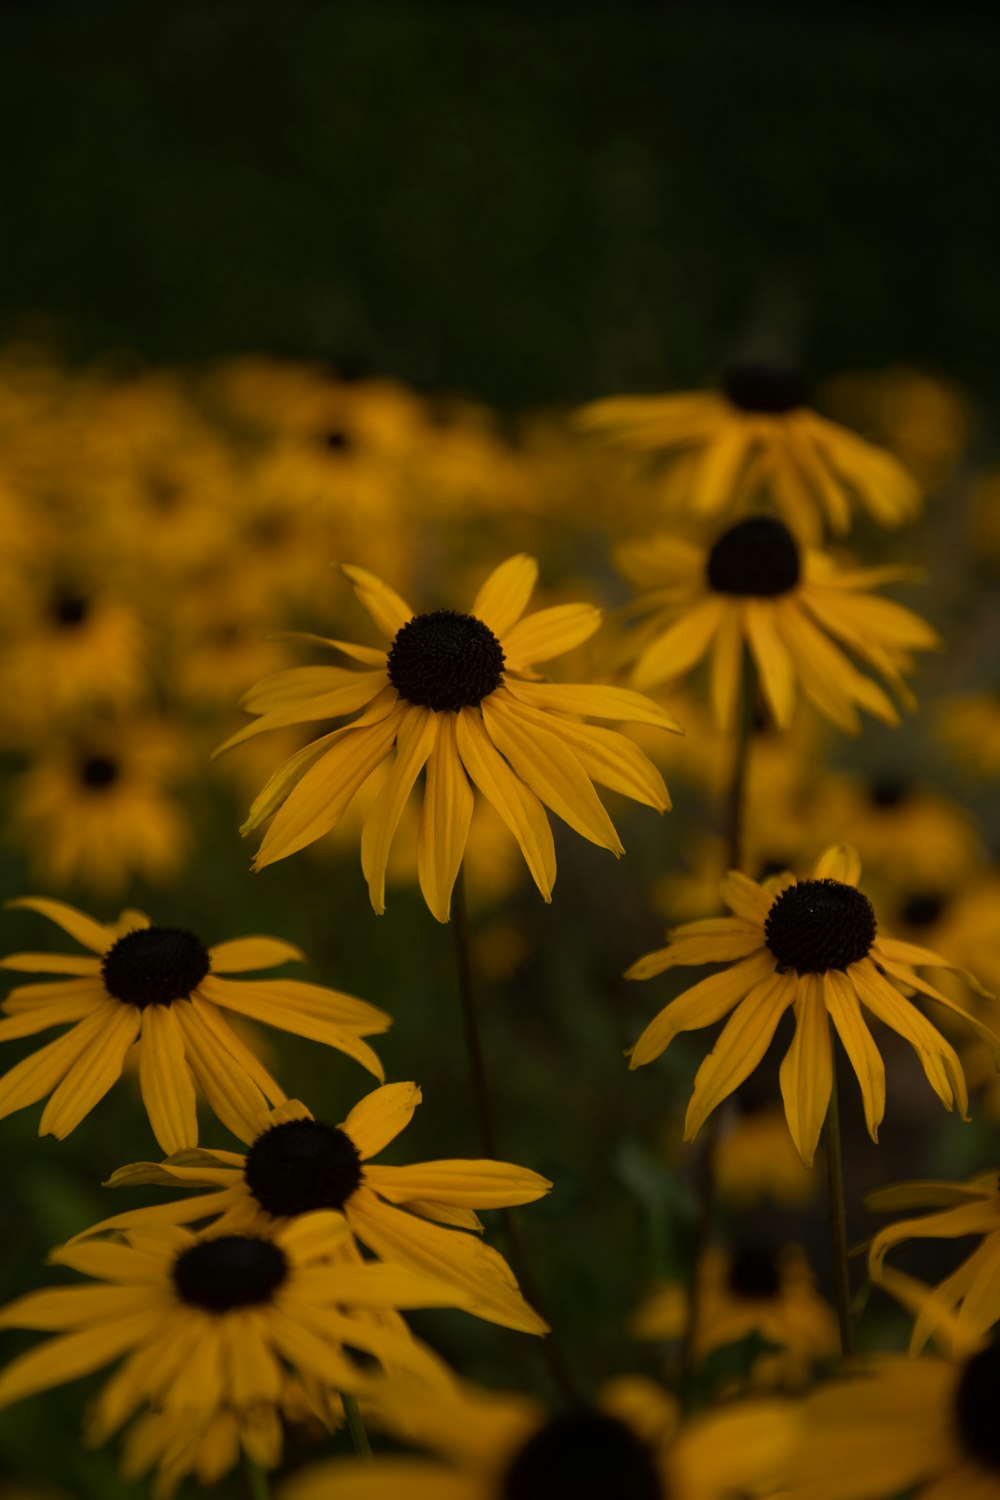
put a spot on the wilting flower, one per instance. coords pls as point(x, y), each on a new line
point(457, 697)
point(630, 1445)
point(422, 1215)
point(811, 946)
point(757, 431)
point(162, 989)
point(213, 1322)
point(802, 618)
point(753, 1289)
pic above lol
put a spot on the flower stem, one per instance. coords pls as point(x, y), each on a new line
point(837, 1213)
point(733, 814)
point(559, 1367)
point(356, 1426)
point(257, 1480)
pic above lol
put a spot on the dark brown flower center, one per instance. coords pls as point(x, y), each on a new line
point(98, 772)
point(302, 1165)
point(976, 1407)
point(754, 1274)
point(235, 1270)
point(755, 557)
point(445, 660)
point(154, 966)
point(923, 908)
point(70, 610)
point(888, 791)
point(764, 388)
point(583, 1456)
point(816, 925)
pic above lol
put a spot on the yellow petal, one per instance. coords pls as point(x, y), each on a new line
point(548, 633)
point(608, 758)
point(702, 1005)
point(444, 822)
point(240, 954)
point(595, 701)
point(52, 963)
point(745, 1038)
point(806, 1072)
point(515, 803)
point(839, 862)
point(417, 736)
point(727, 671)
point(773, 662)
point(866, 1060)
point(73, 1355)
point(360, 1479)
point(474, 1184)
point(165, 1080)
point(95, 1071)
point(225, 1070)
point(504, 596)
point(257, 999)
point(938, 1058)
point(37, 1075)
point(379, 1117)
point(360, 691)
point(385, 606)
point(91, 934)
point(681, 646)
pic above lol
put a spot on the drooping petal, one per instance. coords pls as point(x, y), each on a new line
point(445, 820)
point(806, 1072)
point(225, 1070)
point(504, 596)
point(938, 1058)
point(96, 1070)
point(257, 1000)
point(72, 1355)
point(165, 1079)
point(379, 1117)
point(551, 770)
point(702, 1005)
point(416, 739)
point(514, 802)
point(772, 660)
point(865, 1058)
point(680, 647)
point(745, 1038)
point(726, 670)
point(37, 1075)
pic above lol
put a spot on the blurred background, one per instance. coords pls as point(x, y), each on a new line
point(267, 268)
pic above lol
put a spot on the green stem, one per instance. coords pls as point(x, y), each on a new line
point(559, 1367)
point(733, 813)
point(837, 1213)
point(257, 1480)
point(356, 1426)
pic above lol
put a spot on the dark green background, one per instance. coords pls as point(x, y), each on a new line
point(530, 205)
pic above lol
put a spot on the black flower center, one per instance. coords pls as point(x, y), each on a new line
point(70, 610)
point(154, 965)
point(976, 1406)
point(301, 1165)
point(98, 772)
point(754, 1274)
point(888, 791)
point(336, 440)
point(923, 909)
point(585, 1455)
point(235, 1270)
point(757, 556)
point(765, 388)
point(818, 925)
point(445, 660)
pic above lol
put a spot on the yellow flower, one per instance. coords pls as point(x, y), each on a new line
point(970, 727)
point(421, 1215)
point(97, 808)
point(457, 697)
point(754, 1159)
point(630, 1445)
point(794, 610)
point(751, 1290)
point(810, 946)
point(210, 1322)
point(162, 989)
point(963, 1209)
point(757, 431)
point(923, 420)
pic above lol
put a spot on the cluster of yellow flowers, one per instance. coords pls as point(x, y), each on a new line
point(169, 540)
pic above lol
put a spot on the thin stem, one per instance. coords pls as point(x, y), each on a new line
point(559, 1366)
point(257, 1480)
point(733, 823)
point(837, 1214)
point(356, 1426)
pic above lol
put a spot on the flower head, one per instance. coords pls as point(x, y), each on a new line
point(421, 1215)
point(162, 989)
point(456, 697)
point(813, 947)
point(803, 619)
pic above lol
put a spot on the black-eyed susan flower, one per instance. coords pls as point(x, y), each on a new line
point(421, 1215)
point(810, 946)
point(205, 1323)
point(457, 697)
point(161, 989)
point(753, 1289)
point(754, 1159)
point(970, 726)
point(805, 621)
point(505, 1447)
point(98, 807)
point(755, 431)
point(921, 1427)
point(961, 1210)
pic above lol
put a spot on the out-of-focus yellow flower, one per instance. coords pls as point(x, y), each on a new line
point(970, 727)
point(751, 1290)
point(754, 1158)
point(923, 419)
point(756, 432)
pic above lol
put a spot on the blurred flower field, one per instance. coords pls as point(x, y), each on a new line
point(607, 774)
